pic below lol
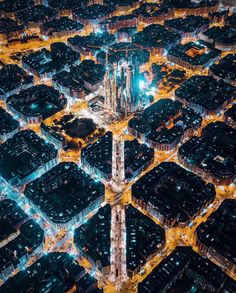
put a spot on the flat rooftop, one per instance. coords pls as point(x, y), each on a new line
point(188, 4)
point(89, 72)
point(9, 25)
point(213, 153)
point(148, 10)
point(225, 69)
point(94, 12)
point(218, 232)
point(60, 25)
point(69, 82)
point(167, 76)
point(155, 36)
point(25, 235)
point(205, 93)
point(174, 193)
point(222, 37)
point(99, 154)
point(194, 53)
point(230, 115)
point(56, 271)
point(91, 43)
point(164, 122)
point(63, 192)
point(116, 19)
point(189, 24)
point(7, 123)
point(93, 237)
point(40, 101)
point(144, 238)
point(67, 4)
point(50, 62)
point(36, 14)
point(184, 270)
point(22, 155)
point(13, 77)
point(12, 6)
point(137, 158)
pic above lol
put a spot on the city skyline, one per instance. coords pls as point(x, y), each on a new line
point(117, 146)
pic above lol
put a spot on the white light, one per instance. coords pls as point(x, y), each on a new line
point(99, 31)
point(153, 89)
point(141, 84)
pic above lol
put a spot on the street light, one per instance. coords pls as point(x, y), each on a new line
point(141, 84)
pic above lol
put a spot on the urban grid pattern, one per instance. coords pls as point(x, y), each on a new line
point(117, 146)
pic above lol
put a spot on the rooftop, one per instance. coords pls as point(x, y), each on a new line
point(223, 36)
point(7, 123)
point(225, 69)
point(13, 6)
point(94, 12)
point(93, 237)
point(9, 25)
point(164, 122)
point(64, 192)
point(69, 82)
point(184, 270)
point(116, 19)
point(144, 238)
point(204, 93)
point(230, 115)
point(231, 20)
point(213, 152)
point(36, 14)
point(191, 4)
point(22, 155)
point(13, 78)
point(66, 4)
point(194, 53)
point(91, 43)
point(50, 62)
point(137, 158)
point(89, 71)
point(29, 236)
point(155, 36)
point(55, 272)
point(167, 76)
point(39, 101)
point(147, 10)
point(61, 24)
point(189, 24)
point(218, 232)
point(174, 193)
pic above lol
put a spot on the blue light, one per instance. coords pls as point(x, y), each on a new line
point(72, 231)
point(97, 179)
point(141, 84)
point(99, 32)
point(34, 106)
point(153, 89)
